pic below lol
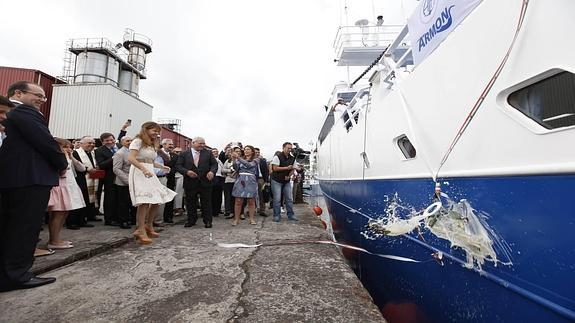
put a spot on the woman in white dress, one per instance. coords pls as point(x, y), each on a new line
point(146, 191)
point(67, 196)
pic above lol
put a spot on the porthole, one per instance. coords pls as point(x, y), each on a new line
point(406, 147)
point(549, 102)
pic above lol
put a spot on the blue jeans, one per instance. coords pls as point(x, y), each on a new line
point(277, 190)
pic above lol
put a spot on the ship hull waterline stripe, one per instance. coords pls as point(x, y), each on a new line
point(494, 278)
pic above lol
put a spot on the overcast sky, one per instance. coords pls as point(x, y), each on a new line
point(256, 71)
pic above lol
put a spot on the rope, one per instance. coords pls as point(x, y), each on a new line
point(486, 91)
point(325, 242)
point(369, 68)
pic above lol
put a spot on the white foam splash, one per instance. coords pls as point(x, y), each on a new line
point(457, 222)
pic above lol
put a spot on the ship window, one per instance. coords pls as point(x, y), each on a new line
point(550, 102)
point(406, 147)
point(346, 96)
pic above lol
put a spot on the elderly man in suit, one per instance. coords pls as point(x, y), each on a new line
point(87, 184)
point(199, 167)
point(31, 162)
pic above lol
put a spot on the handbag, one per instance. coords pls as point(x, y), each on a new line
point(97, 174)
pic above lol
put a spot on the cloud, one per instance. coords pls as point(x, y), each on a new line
point(256, 71)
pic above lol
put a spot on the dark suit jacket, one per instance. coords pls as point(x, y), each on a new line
point(222, 156)
point(264, 169)
point(105, 162)
point(29, 155)
point(206, 164)
point(171, 177)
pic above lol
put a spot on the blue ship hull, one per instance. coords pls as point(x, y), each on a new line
point(534, 215)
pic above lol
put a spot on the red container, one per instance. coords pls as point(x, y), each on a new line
point(178, 139)
point(10, 75)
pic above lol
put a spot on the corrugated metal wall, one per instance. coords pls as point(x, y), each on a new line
point(91, 109)
point(178, 139)
point(73, 111)
point(9, 75)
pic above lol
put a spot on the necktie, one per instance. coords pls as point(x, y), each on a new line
point(196, 158)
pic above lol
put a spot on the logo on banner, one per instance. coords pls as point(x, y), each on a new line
point(442, 23)
point(432, 22)
point(427, 10)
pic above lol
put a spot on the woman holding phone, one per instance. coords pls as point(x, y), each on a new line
point(246, 185)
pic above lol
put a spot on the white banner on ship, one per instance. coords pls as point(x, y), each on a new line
point(432, 22)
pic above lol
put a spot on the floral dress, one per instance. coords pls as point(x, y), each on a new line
point(246, 184)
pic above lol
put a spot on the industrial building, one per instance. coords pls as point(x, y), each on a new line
point(99, 89)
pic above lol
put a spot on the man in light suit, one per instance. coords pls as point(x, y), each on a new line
point(31, 162)
point(199, 167)
point(121, 168)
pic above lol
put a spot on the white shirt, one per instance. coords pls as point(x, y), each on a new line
point(220, 167)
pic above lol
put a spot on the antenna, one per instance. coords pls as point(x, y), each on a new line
point(363, 24)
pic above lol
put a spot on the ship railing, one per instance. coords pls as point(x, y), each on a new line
point(356, 105)
point(364, 36)
point(397, 56)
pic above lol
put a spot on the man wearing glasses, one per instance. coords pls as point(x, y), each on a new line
point(30, 164)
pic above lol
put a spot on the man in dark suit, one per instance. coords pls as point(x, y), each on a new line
point(199, 167)
point(263, 180)
point(30, 164)
point(104, 160)
point(102, 182)
point(170, 160)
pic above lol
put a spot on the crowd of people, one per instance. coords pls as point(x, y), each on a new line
point(135, 181)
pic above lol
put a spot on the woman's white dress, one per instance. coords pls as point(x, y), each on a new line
point(146, 190)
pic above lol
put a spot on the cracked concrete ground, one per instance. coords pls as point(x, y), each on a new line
point(184, 276)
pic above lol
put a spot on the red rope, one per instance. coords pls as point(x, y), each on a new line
point(485, 90)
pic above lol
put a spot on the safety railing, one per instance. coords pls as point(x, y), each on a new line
point(364, 36)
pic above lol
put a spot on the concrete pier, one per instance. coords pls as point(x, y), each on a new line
point(184, 276)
